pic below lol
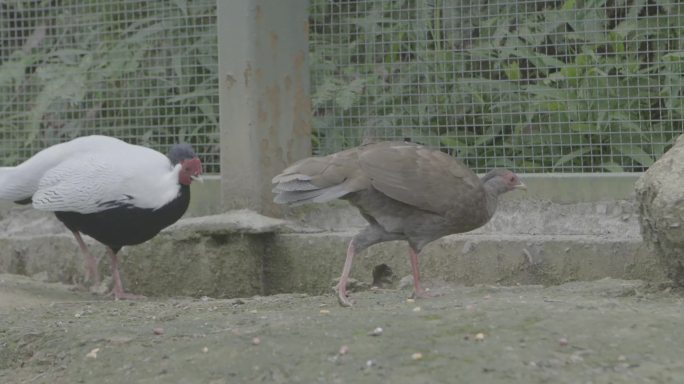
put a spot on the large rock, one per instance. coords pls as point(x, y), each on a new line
point(660, 193)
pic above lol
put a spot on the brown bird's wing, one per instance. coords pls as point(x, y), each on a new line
point(320, 179)
point(415, 175)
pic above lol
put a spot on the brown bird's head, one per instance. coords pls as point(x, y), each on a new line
point(501, 180)
point(190, 164)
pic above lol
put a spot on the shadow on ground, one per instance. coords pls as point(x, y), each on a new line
point(603, 331)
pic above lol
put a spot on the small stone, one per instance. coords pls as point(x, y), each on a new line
point(467, 247)
point(158, 331)
point(370, 363)
point(93, 353)
point(410, 301)
point(324, 312)
point(256, 340)
point(622, 358)
point(406, 282)
point(416, 309)
point(343, 350)
point(563, 342)
point(601, 209)
point(376, 332)
point(205, 350)
point(480, 337)
point(417, 356)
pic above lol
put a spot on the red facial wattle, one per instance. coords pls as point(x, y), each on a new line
point(190, 169)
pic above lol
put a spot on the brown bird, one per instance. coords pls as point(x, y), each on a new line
point(404, 190)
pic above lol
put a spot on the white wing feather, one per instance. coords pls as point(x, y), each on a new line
point(89, 181)
point(21, 182)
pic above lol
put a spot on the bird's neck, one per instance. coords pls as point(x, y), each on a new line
point(491, 197)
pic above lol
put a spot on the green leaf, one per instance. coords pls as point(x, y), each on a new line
point(572, 156)
point(635, 153)
point(512, 71)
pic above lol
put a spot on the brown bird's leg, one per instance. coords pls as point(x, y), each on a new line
point(418, 292)
point(92, 272)
point(118, 291)
point(342, 285)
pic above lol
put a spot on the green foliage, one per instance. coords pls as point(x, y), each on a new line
point(574, 85)
point(145, 71)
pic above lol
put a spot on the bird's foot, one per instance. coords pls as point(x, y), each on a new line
point(344, 301)
point(342, 297)
point(422, 294)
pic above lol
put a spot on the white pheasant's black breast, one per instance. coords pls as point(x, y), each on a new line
point(125, 224)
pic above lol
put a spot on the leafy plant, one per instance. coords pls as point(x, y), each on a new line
point(567, 86)
point(142, 71)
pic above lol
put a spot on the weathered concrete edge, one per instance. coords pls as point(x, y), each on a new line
point(309, 262)
point(567, 188)
point(223, 265)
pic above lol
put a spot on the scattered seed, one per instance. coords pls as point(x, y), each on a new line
point(622, 358)
point(158, 331)
point(93, 354)
point(416, 309)
point(562, 341)
point(410, 301)
point(417, 356)
point(376, 332)
point(343, 350)
point(205, 349)
point(480, 337)
point(256, 340)
point(324, 311)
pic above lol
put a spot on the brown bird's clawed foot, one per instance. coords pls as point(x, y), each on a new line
point(343, 297)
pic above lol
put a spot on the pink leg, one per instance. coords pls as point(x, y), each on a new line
point(92, 272)
point(342, 285)
point(118, 291)
point(418, 292)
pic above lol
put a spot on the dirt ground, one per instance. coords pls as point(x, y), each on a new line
point(606, 331)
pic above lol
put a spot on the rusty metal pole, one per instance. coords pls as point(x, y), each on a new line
point(265, 109)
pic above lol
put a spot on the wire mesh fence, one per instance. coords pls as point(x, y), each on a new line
point(143, 71)
point(536, 86)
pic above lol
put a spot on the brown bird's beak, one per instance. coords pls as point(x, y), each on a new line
point(521, 186)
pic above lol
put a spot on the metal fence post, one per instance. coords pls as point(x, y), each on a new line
point(265, 109)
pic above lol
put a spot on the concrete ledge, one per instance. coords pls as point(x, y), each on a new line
point(232, 265)
point(309, 262)
point(567, 227)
